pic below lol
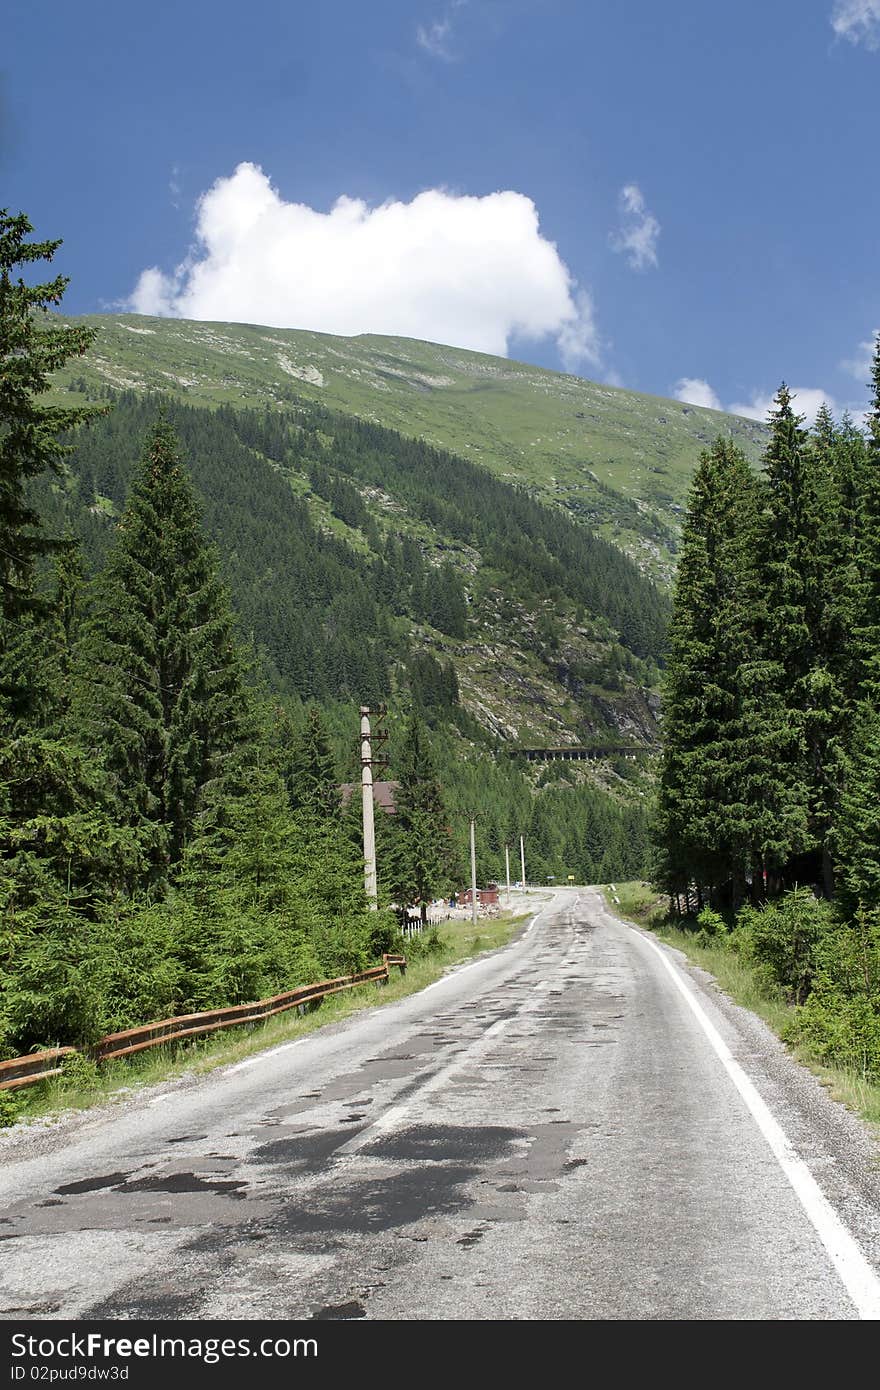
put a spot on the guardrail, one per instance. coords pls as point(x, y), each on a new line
point(39, 1066)
point(36, 1066)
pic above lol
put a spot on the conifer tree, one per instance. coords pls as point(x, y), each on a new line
point(857, 825)
point(62, 854)
point(420, 862)
point(867, 631)
point(722, 816)
point(312, 779)
point(31, 348)
point(160, 682)
point(701, 783)
point(836, 459)
point(790, 609)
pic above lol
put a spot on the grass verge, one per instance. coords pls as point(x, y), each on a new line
point(85, 1085)
point(641, 905)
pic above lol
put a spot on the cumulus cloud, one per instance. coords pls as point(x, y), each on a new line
point(860, 365)
point(639, 230)
point(470, 271)
point(694, 391)
point(435, 37)
point(806, 401)
point(858, 21)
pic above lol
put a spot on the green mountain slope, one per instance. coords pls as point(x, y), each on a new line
point(367, 566)
point(619, 460)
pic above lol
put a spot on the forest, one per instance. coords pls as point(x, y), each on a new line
point(182, 652)
point(768, 812)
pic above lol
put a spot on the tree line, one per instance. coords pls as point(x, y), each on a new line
point(168, 839)
point(770, 772)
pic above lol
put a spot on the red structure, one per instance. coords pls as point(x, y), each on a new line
point(486, 897)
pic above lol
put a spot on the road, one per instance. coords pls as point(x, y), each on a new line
point(577, 1126)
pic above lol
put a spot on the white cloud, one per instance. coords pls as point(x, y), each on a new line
point(639, 229)
point(469, 271)
point(694, 391)
point(434, 38)
point(858, 21)
point(578, 337)
point(805, 400)
point(860, 365)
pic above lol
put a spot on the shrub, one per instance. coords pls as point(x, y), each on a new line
point(787, 938)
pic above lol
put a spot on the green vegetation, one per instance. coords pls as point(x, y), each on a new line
point(769, 774)
point(618, 460)
point(428, 958)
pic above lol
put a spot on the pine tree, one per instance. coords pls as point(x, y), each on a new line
point(790, 618)
point(721, 815)
point(867, 632)
point(62, 853)
point(836, 460)
point(420, 863)
point(312, 780)
point(160, 685)
point(31, 348)
point(857, 826)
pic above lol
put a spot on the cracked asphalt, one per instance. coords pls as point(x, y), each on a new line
point(545, 1133)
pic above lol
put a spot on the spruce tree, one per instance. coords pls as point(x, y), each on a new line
point(62, 853)
point(857, 827)
point(312, 780)
point(32, 347)
point(421, 858)
point(858, 824)
point(160, 684)
point(836, 458)
point(867, 632)
point(790, 617)
point(722, 818)
point(702, 700)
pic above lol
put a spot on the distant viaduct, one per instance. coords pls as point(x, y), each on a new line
point(572, 753)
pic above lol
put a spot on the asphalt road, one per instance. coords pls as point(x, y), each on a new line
point(577, 1126)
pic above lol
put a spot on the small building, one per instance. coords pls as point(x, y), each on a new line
point(383, 795)
point(486, 897)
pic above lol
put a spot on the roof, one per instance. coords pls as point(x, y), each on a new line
point(383, 794)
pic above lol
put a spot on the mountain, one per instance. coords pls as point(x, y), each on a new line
point(403, 521)
point(618, 460)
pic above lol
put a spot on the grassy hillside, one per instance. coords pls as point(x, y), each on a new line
point(352, 551)
point(619, 460)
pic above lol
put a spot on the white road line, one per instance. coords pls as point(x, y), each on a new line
point(858, 1276)
point(453, 975)
point(264, 1056)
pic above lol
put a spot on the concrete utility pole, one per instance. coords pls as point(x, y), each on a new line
point(507, 871)
point(367, 762)
point(370, 885)
point(473, 874)
point(522, 862)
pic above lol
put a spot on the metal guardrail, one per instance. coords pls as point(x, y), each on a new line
point(39, 1066)
point(36, 1066)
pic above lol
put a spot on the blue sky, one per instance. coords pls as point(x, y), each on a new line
point(675, 197)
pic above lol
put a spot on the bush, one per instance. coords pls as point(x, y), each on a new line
point(11, 1107)
point(842, 1031)
point(840, 1021)
point(786, 937)
point(712, 927)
